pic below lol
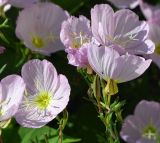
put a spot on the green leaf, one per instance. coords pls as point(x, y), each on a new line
point(70, 140)
point(36, 135)
point(3, 68)
point(43, 135)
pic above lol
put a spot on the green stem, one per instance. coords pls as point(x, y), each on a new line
point(60, 139)
point(62, 124)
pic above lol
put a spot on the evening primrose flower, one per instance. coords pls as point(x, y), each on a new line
point(122, 28)
point(38, 26)
point(11, 92)
point(108, 64)
point(144, 125)
point(47, 94)
point(75, 34)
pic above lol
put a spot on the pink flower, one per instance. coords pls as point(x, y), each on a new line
point(47, 94)
point(75, 34)
point(144, 125)
point(39, 25)
point(122, 29)
point(108, 64)
point(11, 92)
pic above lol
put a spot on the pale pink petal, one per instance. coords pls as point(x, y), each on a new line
point(130, 67)
point(12, 90)
point(39, 75)
point(61, 97)
point(102, 22)
point(101, 59)
point(107, 63)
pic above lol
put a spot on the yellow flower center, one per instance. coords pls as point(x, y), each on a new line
point(150, 132)
point(43, 100)
point(38, 42)
point(79, 40)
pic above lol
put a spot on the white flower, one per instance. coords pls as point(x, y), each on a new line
point(46, 96)
point(39, 25)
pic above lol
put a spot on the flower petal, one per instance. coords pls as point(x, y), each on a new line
point(109, 64)
point(39, 76)
point(12, 90)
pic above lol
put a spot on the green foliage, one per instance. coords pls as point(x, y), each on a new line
point(42, 135)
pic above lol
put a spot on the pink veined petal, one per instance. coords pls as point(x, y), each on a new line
point(145, 47)
point(109, 64)
point(101, 59)
point(12, 90)
point(102, 15)
point(39, 76)
point(31, 119)
point(61, 97)
point(130, 67)
point(127, 25)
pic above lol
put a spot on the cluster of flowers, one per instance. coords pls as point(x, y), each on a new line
point(40, 94)
point(110, 45)
point(113, 44)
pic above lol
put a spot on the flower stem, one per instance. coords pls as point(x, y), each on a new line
point(62, 124)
